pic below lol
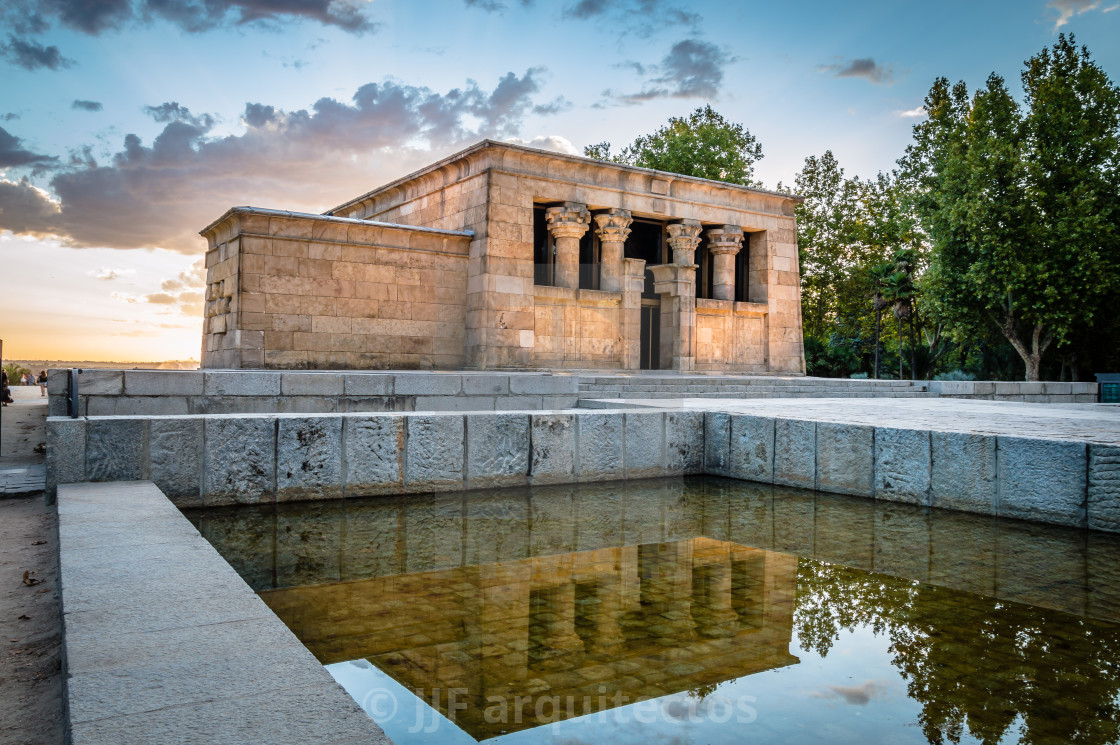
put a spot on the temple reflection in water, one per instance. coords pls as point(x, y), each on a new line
point(591, 597)
point(645, 620)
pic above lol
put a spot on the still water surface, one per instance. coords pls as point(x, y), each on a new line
point(695, 610)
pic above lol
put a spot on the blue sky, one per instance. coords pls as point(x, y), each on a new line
point(301, 104)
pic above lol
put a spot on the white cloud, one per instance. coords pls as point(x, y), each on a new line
point(1067, 9)
point(912, 113)
point(108, 273)
point(161, 194)
point(555, 143)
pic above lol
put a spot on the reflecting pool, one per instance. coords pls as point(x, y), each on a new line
point(692, 610)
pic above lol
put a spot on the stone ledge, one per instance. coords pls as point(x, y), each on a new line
point(220, 459)
point(153, 615)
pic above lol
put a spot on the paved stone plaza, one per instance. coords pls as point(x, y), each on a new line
point(1098, 423)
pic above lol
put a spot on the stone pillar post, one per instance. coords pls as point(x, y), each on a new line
point(684, 236)
point(612, 228)
point(567, 224)
point(633, 284)
point(723, 243)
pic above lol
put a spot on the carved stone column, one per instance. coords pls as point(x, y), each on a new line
point(684, 236)
point(567, 224)
point(723, 244)
point(612, 227)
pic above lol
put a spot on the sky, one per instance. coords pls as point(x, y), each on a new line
point(126, 126)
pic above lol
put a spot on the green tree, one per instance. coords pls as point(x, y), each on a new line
point(14, 371)
point(702, 144)
point(1022, 204)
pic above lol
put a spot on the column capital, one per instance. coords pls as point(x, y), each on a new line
point(569, 220)
point(684, 236)
point(613, 225)
point(726, 239)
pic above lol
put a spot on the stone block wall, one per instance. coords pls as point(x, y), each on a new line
point(222, 459)
point(249, 459)
point(491, 189)
point(578, 328)
point(1060, 482)
point(163, 392)
point(731, 336)
point(292, 291)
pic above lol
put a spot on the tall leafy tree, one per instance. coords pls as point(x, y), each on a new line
point(702, 144)
point(1022, 203)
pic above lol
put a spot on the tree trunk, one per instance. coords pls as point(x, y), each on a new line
point(913, 346)
point(1031, 356)
point(901, 353)
point(878, 323)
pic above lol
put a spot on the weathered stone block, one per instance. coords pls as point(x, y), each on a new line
point(374, 454)
point(845, 459)
point(175, 457)
point(163, 382)
point(964, 472)
point(795, 449)
point(99, 382)
point(486, 385)
point(311, 384)
point(117, 450)
point(66, 453)
point(752, 448)
point(240, 460)
point(522, 403)
point(684, 442)
point(553, 458)
point(497, 450)
point(136, 405)
point(1104, 488)
point(453, 403)
point(309, 458)
point(717, 443)
point(421, 384)
point(1042, 480)
point(600, 446)
point(434, 452)
point(229, 383)
point(902, 465)
point(56, 406)
point(368, 384)
point(644, 450)
point(544, 384)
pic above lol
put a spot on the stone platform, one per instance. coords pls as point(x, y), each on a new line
point(1057, 464)
point(167, 392)
point(165, 643)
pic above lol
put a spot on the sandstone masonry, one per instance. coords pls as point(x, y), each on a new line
point(507, 257)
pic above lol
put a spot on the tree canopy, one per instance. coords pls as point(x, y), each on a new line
point(702, 144)
point(1022, 203)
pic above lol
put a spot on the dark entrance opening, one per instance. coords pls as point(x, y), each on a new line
point(650, 331)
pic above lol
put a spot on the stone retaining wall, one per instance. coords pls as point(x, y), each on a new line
point(1060, 482)
point(164, 392)
point(1042, 392)
point(226, 459)
point(245, 458)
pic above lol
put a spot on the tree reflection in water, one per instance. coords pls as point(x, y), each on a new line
point(975, 664)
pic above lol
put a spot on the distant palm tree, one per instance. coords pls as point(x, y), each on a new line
point(14, 372)
point(898, 291)
point(879, 276)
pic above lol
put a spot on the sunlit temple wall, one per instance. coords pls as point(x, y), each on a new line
point(544, 260)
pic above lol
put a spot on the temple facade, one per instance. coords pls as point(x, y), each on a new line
point(508, 257)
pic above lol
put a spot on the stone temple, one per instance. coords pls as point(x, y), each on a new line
point(508, 257)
